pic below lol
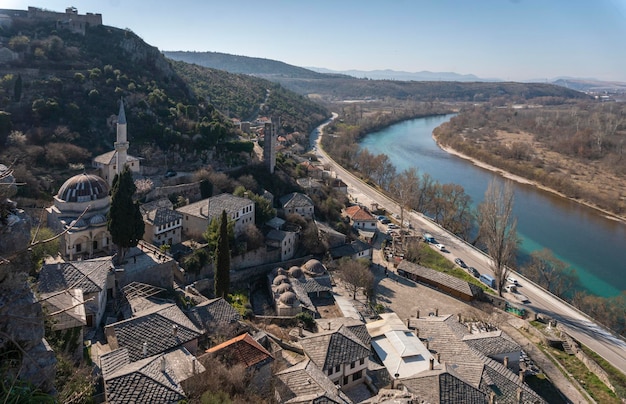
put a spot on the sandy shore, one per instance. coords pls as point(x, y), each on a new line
point(523, 180)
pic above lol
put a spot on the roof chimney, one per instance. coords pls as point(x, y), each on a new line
point(438, 357)
point(492, 398)
point(193, 365)
point(437, 312)
point(175, 330)
point(521, 376)
point(417, 332)
point(432, 363)
point(458, 317)
point(145, 349)
point(418, 314)
point(506, 361)
point(519, 394)
point(163, 364)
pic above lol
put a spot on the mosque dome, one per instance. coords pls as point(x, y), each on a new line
point(314, 267)
point(82, 188)
point(281, 271)
point(284, 287)
point(295, 272)
point(288, 298)
point(280, 279)
point(98, 220)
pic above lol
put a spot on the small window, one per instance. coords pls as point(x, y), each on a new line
point(362, 361)
point(352, 365)
point(357, 375)
point(346, 380)
point(337, 368)
point(330, 371)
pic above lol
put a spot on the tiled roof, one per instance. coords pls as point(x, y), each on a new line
point(358, 213)
point(162, 216)
point(295, 200)
point(334, 348)
point(215, 205)
point(242, 350)
point(305, 383)
point(212, 313)
point(314, 285)
point(88, 275)
point(144, 381)
point(109, 158)
point(357, 327)
point(155, 327)
point(492, 343)
point(348, 250)
point(443, 386)
point(277, 235)
point(70, 312)
point(154, 205)
point(439, 277)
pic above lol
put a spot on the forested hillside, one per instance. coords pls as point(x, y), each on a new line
point(60, 93)
point(245, 97)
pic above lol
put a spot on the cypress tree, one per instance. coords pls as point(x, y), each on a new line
point(17, 88)
point(124, 220)
point(222, 258)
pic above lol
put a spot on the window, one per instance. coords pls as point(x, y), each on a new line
point(362, 361)
point(337, 368)
point(352, 365)
point(330, 371)
point(357, 375)
point(79, 247)
point(346, 379)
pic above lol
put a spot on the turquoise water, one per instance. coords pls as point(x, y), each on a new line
point(580, 236)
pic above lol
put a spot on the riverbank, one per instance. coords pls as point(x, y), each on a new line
point(522, 180)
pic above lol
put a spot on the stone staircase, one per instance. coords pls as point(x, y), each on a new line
point(567, 347)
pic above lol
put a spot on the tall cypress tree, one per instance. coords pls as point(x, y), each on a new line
point(124, 220)
point(222, 258)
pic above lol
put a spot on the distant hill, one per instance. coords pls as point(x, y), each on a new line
point(243, 64)
point(336, 87)
point(591, 85)
point(388, 74)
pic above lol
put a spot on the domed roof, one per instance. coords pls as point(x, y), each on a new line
point(314, 266)
point(78, 224)
point(280, 279)
point(295, 272)
point(288, 298)
point(281, 271)
point(284, 287)
point(83, 187)
point(98, 220)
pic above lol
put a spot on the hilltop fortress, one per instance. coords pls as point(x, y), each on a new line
point(69, 20)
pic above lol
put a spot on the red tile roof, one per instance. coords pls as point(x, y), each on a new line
point(242, 349)
point(356, 212)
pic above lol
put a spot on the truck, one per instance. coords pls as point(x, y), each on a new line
point(488, 280)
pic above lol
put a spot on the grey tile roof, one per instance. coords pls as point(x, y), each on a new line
point(441, 278)
point(207, 315)
point(348, 250)
point(154, 205)
point(357, 327)
point(155, 327)
point(305, 383)
point(295, 200)
point(492, 343)
point(314, 285)
point(334, 348)
point(144, 381)
point(216, 204)
point(88, 275)
point(162, 216)
point(277, 235)
point(443, 386)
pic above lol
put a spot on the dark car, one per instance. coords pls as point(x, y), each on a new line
point(170, 173)
point(460, 262)
point(473, 272)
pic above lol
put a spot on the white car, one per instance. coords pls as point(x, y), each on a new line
point(440, 247)
point(512, 281)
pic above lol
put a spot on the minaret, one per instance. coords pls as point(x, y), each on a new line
point(269, 147)
point(121, 145)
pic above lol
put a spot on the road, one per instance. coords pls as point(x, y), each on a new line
point(578, 325)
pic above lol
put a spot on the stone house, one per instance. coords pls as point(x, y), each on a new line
point(361, 218)
point(297, 203)
point(163, 225)
point(285, 240)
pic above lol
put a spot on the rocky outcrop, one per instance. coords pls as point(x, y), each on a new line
point(21, 315)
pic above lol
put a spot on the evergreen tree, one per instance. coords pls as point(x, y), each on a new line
point(17, 88)
point(124, 220)
point(222, 260)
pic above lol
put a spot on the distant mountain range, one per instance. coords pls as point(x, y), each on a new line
point(388, 74)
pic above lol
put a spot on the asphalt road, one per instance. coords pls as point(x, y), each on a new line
point(578, 325)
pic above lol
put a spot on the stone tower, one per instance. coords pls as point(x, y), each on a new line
point(269, 147)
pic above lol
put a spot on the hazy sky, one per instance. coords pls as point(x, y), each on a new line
point(507, 39)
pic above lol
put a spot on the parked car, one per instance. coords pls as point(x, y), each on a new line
point(440, 247)
point(385, 221)
point(170, 173)
point(460, 262)
point(381, 218)
point(512, 280)
point(474, 272)
point(511, 288)
point(393, 226)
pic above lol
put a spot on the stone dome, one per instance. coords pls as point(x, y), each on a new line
point(281, 271)
point(284, 287)
point(313, 266)
point(288, 298)
point(82, 188)
point(295, 272)
point(98, 220)
point(280, 279)
point(78, 224)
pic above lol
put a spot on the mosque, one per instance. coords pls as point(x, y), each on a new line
point(83, 201)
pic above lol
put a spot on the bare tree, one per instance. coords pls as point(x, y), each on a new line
point(356, 275)
point(498, 229)
point(550, 272)
point(405, 189)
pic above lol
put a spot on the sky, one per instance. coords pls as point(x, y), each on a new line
point(513, 40)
